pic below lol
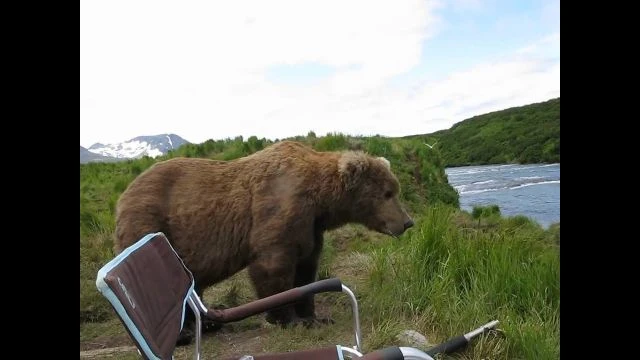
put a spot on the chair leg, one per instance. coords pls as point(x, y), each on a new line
point(198, 325)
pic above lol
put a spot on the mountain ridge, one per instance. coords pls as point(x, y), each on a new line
point(137, 147)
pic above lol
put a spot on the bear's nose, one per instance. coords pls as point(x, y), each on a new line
point(408, 224)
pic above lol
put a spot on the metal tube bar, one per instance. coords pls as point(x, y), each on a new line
point(356, 316)
point(194, 307)
point(480, 330)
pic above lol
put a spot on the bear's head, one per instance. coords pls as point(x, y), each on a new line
point(372, 193)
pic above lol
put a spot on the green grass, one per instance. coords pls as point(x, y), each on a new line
point(443, 278)
point(459, 280)
point(93, 252)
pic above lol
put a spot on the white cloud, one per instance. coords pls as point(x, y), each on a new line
point(516, 79)
point(467, 5)
point(198, 69)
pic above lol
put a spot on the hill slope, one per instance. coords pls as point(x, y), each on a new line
point(524, 134)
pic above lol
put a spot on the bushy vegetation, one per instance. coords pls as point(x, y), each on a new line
point(526, 134)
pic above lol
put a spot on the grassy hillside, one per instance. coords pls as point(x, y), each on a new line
point(524, 134)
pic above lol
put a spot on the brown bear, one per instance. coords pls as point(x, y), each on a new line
point(266, 211)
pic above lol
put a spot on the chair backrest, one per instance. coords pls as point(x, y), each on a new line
point(148, 285)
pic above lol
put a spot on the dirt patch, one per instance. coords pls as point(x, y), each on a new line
point(105, 342)
point(237, 339)
point(245, 342)
point(108, 352)
point(236, 342)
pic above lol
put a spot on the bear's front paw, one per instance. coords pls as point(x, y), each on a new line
point(185, 337)
point(312, 322)
point(209, 325)
point(283, 320)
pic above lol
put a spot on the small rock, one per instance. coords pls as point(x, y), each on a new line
point(412, 338)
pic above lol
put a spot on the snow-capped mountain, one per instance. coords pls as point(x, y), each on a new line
point(152, 146)
point(87, 156)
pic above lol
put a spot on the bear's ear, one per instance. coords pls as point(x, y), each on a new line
point(385, 162)
point(351, 166)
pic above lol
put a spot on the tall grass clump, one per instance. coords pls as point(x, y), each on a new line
point(457, 280)
point(332, 142)
point(94, 251)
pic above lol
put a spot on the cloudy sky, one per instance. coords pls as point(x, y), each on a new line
point(217, 69)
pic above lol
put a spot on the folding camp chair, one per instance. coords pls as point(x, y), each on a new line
point(149, 286)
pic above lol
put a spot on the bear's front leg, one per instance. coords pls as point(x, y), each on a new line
point(306, 272)
point(188, 330)
point(272, 272)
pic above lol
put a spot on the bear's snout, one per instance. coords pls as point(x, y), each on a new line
point(408, 224)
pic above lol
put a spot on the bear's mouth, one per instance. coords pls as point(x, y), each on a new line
point(390, 233)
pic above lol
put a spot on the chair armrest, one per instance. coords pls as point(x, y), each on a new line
point(274, 301)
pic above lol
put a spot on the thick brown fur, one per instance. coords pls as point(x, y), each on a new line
point(267, 211)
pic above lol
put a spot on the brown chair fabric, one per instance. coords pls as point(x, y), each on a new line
point(151, 285)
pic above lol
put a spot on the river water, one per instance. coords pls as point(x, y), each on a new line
point(529, 190)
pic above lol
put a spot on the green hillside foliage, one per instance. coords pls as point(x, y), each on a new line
point(525, 134)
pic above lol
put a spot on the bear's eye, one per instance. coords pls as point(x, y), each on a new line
point(388, 194)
